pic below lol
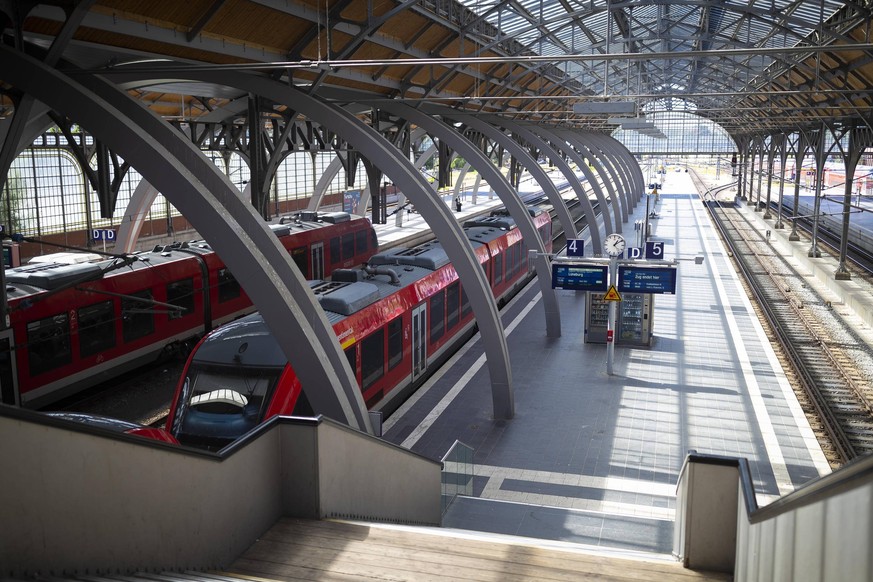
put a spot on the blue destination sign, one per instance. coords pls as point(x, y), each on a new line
point(580, 277)
point(646, 279)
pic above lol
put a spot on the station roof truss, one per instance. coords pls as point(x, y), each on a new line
point(754, 67)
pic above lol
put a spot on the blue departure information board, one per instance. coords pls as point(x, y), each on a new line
point(646, 279)
point(580, 277)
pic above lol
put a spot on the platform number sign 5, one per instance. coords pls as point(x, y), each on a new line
point(575, 247)
point(655, 250)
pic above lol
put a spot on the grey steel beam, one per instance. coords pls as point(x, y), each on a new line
point(609, 161)
point(618, 203)
point(539, 175)
point(324, 183)
point(214, 206)
point(624, 163)
point(562, 146)
point(438, 216)
point(507, 194)
point(134, 216)
point(633, 165)
point(566, 170)
point(486, 127)
point(630, 163)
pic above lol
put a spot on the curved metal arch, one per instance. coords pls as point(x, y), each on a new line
point(137, 209)
point(607, 159)
point(619, 205)
point(485, 127)
point(633, 165)
point(507, 195)
point(324, 182)
point(624, 163)
point(533, 166)
point(418, 163)
point(382, 153)
point(214, 206)
point(614, 159)
point(558, 143)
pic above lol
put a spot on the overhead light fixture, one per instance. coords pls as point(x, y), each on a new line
point(637, 124)
point(605, 107)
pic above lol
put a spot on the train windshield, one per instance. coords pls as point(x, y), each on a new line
point(219, 404)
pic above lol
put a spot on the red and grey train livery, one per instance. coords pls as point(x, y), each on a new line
point(397, 319)
point(75, 324)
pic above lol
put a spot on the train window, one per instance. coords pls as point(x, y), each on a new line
point(453, 304)
point(300, 256)
point(348, 246)
point(181, 294)
point(48, 343)
point(465, 303)
point(228, 287)
point(137, 316)
point(372, 358)
point(351, 353)
point(96, 328)
point(498, 268)
point(437, 316)
point(361, 240)
point(395, 342)
point(335, 250)
point(220, 403)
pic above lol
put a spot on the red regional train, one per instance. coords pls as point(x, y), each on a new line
point(75, 324)
point(397, 318)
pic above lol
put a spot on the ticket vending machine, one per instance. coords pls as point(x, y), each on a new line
point(633, 322)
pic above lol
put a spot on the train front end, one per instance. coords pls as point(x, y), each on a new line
point(227, 385)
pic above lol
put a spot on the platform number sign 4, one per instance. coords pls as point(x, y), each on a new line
point(575, 247)
point(655, 250)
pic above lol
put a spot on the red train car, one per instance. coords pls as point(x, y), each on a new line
point(397, 319)
point(78, 320)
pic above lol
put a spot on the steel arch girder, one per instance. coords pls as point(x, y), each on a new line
point(552, 193)
point(623, 163)
point(544, 145)
point(558, 143)
point(609, 163)
point(216, 209)
point(489, 129)
point(384, 155)
point(618, 210)
point(633, 166)
point(505, 192)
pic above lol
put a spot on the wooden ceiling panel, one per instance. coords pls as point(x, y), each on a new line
point(182, 15)
point(254, 24)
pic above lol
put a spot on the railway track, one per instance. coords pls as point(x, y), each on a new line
point(831, 362)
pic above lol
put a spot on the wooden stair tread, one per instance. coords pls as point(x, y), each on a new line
point(295, 549)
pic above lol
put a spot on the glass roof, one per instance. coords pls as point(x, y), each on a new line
point(659, 51)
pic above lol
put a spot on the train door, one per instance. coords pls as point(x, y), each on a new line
point(8, 376)
point(316, 260)
point(419, 340)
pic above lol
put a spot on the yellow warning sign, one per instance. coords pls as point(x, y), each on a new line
point(612, 294)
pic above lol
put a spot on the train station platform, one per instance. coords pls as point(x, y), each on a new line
point(592, 458)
